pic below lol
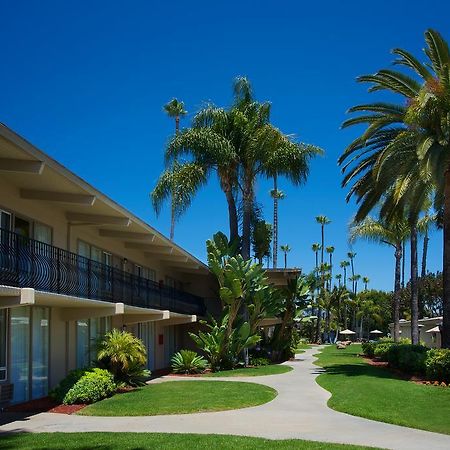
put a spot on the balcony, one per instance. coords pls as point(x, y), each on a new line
point(28, 263)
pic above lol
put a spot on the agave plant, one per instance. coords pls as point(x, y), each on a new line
point(188, 362)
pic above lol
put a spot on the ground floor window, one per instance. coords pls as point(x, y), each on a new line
point(170, 344)
point(146, 332)
point(88, 333)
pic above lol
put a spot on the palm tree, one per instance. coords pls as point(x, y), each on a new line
point(387, 233)
point(316, 248)
point(175, 109)
point(179, 183)
point(339, 278)
point(240, 144)
point(351, 256)
point(276, 194)
point(344, 265)
point(356, 278)
point(424, 227)
point(285, 249)
point(367, 311)
point(366, 281)
point(330, 251)
point(261, 238)
point(413, 133)
point(322, 220)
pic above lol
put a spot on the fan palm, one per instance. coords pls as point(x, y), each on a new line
point(344, 265)
point(388, 233)
point(422, 124)
point(330, 251)
point(316, 248)
point(339, 278)
point(285, 249)
point(175, 109)
point(276, 195)
point(366, 281)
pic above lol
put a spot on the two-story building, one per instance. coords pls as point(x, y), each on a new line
point(74, 264)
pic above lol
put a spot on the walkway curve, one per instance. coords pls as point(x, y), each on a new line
point(298, 412)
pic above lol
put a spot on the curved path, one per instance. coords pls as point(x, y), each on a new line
point(298, 412)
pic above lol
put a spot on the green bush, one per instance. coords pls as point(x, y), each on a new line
point(381, 350)
point(93, 386)
point(368, 348)
point(259, 361)
point(438, 365)
point(187, 361)
point(408, 358)
point(64, 386)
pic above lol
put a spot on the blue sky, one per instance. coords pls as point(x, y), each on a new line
point(86, 82)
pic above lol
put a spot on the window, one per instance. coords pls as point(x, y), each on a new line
point(42, 233)
point(88, 333)
point(5, 220)
point(3, 343)
point(39, 351)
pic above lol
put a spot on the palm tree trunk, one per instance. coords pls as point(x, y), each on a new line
point(353, 275)
point(414, 289)
point(424, 255)
point(398, 261)
point(403, 263)
point(345, 276)
point(232, 215)
point(285, 260)
point(445, 329)
point(247, 216)
point(275, 222)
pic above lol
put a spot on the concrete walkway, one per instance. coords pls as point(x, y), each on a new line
point(298, 412)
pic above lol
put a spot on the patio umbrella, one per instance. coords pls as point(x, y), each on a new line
point(347, 332)
point(376, 332)
point(433, 330)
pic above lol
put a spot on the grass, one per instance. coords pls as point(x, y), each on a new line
point(302, 347)
point(182, 397)
point(375, 393)
point(140, 441)
point(273, 369)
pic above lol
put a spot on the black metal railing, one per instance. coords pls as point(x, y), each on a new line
point(26, 262)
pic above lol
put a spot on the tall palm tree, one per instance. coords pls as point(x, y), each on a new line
point(344, 265)
point(322, 221)
point(339, 278)
point(285, 249)
point(356, 278)
point(316, 248)
point(330, 251)
point(424, 226)
point(419, 122)
point(387, 233)
point(366, 281)
point(174, 109)
point(351, 257)
point(276, 195)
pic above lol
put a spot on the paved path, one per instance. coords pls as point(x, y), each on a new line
point(298, 412)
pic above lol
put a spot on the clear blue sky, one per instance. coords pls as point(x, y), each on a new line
point(86, 83)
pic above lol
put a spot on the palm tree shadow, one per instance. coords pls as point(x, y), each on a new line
point(356, 370)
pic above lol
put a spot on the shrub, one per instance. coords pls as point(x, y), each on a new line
point(368, 348)
point(187, 361)
point(260, 361)
point(407, 357)
point(64, 386)
point(93, 386)
point(382, 349)
point(438, 365)
point(125, 356)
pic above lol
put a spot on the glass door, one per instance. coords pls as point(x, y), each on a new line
point(39, 352)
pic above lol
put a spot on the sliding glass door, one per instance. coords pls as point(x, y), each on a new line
point(39, 352)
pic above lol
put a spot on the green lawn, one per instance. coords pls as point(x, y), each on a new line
point(182, 397)
point(273, 369)
point(140, 441)
point(375, 393)
point(302, 347)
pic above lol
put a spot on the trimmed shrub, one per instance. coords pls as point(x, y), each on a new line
point(368, 348)
point(382, 349)
point(260, 361)
point(93, 386)
point(188, 361)
point(438, 364)
point(65, 385)
point(408, 358)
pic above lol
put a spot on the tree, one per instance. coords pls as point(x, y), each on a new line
point(387, 233)
point(322, 221)
point(344, 265)
point(339, 278)
point(316, 248)
point(261, 239)
point(415, 133)
point(276, 194)
point(174, 109)
point(330, 251)
point(366, 281)
point(351, 257)
point(285, 249)
point(424, 227)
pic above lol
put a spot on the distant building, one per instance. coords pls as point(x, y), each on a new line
point(428, 330)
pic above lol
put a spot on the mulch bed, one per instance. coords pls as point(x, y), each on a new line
point(45, 404)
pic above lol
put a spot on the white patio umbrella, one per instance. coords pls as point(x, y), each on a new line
point(434, 330)
point(346, 332)
point(376, 332)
